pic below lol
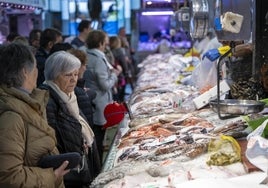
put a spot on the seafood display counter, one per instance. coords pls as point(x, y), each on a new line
point(169, 143)
point(109, 160)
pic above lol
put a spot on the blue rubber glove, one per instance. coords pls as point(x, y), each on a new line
point(212, 54)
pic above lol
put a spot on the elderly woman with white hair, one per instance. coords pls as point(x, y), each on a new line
point(63, 113)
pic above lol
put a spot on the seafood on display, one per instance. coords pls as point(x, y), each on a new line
point(186, 138)
point(169, 171)
point(166, 141)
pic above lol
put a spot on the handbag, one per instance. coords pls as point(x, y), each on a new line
point(56, 161)
point(80, 175)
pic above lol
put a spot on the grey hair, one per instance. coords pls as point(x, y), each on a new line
point(60, 62)
point(14, 58)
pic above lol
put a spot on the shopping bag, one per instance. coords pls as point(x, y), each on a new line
point(257, 148)
point(114, 114)
point(223, 150)
point(204, 75)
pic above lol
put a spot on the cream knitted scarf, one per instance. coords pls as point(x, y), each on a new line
point(72, 106)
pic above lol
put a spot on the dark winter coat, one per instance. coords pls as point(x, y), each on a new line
point(41, 56)
point(85, 101)
point(69, 133)
point(68, 129)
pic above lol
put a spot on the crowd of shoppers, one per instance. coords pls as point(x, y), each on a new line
point(52, 99)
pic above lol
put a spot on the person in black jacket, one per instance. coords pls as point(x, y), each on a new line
point(34, 39)
point(48, 38)
point(84, 27)
point(85, 96)
point(72, 128)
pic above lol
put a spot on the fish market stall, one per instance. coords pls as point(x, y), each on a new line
point(170, 143)
point(177, 136)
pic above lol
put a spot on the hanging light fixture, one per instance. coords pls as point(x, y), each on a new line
point(17, 6)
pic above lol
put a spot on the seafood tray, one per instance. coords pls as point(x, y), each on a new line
point(237, 107)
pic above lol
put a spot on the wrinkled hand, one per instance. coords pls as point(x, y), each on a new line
point(61, 171)
point(212, 54)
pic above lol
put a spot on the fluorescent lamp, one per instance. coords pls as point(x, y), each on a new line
point(157, 13)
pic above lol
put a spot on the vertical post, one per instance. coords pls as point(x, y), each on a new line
point(219, 63)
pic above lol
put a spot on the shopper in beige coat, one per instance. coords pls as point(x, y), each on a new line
point(25, 135)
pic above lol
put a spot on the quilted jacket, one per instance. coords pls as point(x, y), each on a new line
point(25, 138)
